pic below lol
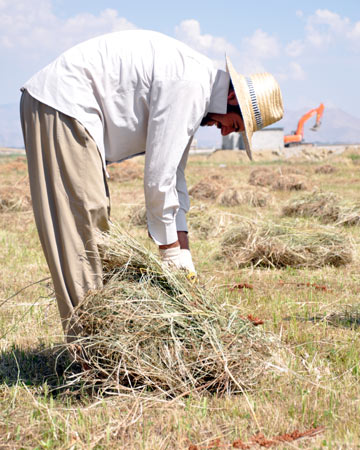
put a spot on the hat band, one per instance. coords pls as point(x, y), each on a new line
point(254, 103)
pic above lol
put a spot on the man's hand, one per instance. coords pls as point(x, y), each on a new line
point(177, 258)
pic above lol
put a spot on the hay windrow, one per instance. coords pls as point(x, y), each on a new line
point(205, 224)
point(137, 216)
point(208, 188)
point(235, 197)
point(286, 245)
point(125, 171)
point(325, 206)
point(15, 198)
point(150, 329)
point(282, 179)
point(326, 169)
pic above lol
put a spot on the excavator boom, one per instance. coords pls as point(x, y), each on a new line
point(298, 136)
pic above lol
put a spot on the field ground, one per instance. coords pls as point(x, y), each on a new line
point(315, 312)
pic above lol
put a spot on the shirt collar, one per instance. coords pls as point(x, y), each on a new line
point(219, 93)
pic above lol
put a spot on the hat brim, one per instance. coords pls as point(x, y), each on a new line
point(241, 92)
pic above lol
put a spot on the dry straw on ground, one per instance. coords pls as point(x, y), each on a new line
point(208, 188)
point(15, 198)
point(281, 179)
point(150, 330)
point(286, 245)
point(325, 206)
point(235, 197)
point(205, 223)
point(137, 216)
point(125, 171)
point(325, 169)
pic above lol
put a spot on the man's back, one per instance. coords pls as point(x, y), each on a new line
point(110, 83)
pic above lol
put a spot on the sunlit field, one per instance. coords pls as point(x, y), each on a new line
point(306, 295)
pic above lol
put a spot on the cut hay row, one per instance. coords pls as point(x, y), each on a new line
point(325, 206)
point(150, 330)
point(216, 188)
point(125, 171)
point(15, 198)
point(325, 169)
point(137, 216)
point(281, 179)
point(235, 197)
point(208, 188)
point(286, 245)
point(205, 223)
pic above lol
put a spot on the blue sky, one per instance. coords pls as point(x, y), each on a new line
point(312, 47)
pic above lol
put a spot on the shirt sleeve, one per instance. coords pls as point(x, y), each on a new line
point(176, 110)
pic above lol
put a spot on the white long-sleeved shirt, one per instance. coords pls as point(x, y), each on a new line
point(139, 92)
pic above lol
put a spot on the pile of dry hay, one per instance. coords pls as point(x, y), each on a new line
point(125, 171)
point(325, 169)
point(204, 222)
point(281, 179)
point(150, 330)
point(208, 188)
point(15, 198)
point(286, 245)
point(138, 216)
point(325, 206)
point(235, 197)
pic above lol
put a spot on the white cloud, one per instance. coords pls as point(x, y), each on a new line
point(292, 71)
point(261, 45)
point(299, 13)
point(324, 26)
point(296, 72)
point(295, 48)
point(189, 32)
point(34, 30)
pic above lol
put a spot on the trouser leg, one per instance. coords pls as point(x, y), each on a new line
point(70, 202)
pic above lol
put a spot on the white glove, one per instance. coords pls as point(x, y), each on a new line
point(178, 258)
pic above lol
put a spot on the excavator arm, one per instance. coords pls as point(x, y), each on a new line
point(298, 136)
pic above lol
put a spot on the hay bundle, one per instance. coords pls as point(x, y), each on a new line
point(208, 188)
point(205, 223)
point(293, 245)
point(325, 206)
point(149, 329)
point(201, 222)
point(17, 165)
point(283, 179)
point(125, 171)
point(137, 216)
point(234, 197)
point(325, 169)
point(15, 198)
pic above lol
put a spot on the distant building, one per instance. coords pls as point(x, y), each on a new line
point(266, 139)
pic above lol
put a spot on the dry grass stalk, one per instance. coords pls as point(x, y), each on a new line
point(325, 169)
point(325, 206)
point(137, 216)
point(287, 245)
point(204, 223)
point(15, 198)
point(282, 179)
point(235, 197)
point(149, 329)
point(18, 165)
point(208, 188)
point(125, 171)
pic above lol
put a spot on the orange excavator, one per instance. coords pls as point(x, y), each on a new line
point(298, 136)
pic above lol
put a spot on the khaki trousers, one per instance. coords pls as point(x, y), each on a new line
point(70, 201)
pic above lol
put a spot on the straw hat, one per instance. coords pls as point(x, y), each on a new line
point(260, 101)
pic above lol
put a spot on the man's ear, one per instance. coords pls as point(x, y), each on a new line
point(232, 100)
